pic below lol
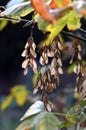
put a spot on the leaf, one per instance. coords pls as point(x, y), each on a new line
point(14, 2)
point(3, 24)
point(35, 108)
point(53, 4)
point(66, 2)
point(6, 102)
point(62, 3)
point(73, 22)
point(25, 11)
point(64, 124)
point(76, 113)
point(41, 121)
point(20, 9)
point(35, 77)
point(27, 123)
point(71, 68)
point(47, 121)
point(55, 30)
point(42, 24)
point(43, 10)
point(20, 93)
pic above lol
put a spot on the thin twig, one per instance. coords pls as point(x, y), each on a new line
point(72, 35)
point(16, 19)
point(82, 30)
point(59, 114)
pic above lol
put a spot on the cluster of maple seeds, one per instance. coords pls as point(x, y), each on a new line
point(29, 54)
point(80, 89)
point(50, 59)
point(80, 70)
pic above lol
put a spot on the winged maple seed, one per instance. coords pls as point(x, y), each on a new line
point(76, 49)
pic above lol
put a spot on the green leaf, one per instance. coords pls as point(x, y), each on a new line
point(42, 121)
point(76, 113)
point(3, 24)
point(64, 124)
point(71, 68)
point(27, 123)
point(42, 24)
point(23, 11)
point(35, 77)
point(47, 121)
point(20, 10)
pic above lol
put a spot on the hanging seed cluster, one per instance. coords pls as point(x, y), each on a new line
point(81, 84)
point(50, 58)
point(76, 53)
point(48, 80)
point(80, 70)
point(29, 54)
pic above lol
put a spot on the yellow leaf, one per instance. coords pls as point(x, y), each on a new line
point(3, 24)
point(20, 94)
point(55, 30)
point(6, 102)
point(73, 22)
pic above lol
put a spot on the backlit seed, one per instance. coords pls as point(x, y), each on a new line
point(60, 71)
point(79, 56)
point(25, 63)
point(60, 46)
point(34, 64)
point(77, 69)
point(33, 46)
point(24, 53)
point(35, 90)
point(26, 46)
point(50, 53)
point(59, 61)
point(46, 59)
point(33, 52)
point(48, 107)
point(84, 84)
point(25, 71)
point(53, 71)
point(41, 60)
point(79, 48)
point(53, 62)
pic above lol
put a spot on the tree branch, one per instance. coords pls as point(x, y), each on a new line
point(72, 35)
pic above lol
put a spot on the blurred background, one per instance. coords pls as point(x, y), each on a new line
point(12, 80)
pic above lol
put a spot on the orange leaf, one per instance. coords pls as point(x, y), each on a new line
point(83, 12)
point(65, 2)
point(28, 128)
point(41, 8)
point(53, 4)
